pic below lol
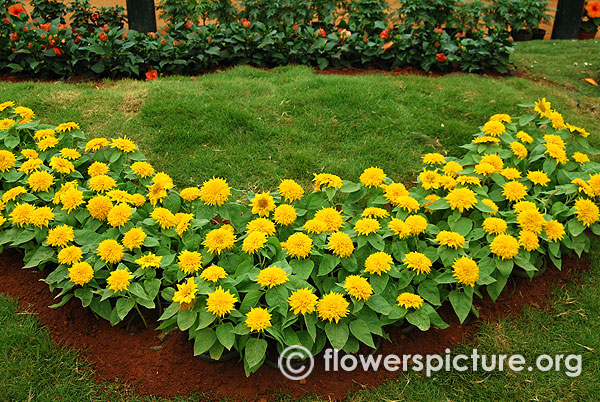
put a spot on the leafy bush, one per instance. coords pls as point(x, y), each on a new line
point(55, 50)
point(340, 263)
point(527, 15)
point(49, 10)
point(88, 18)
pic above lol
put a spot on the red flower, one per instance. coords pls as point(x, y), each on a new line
point(46, 26)
point(438, 30)
point(105, 28)
point(441, 57)
point(163, 42)
point(78, 39)
point(16, 10)
point(6, 20)
point(103, 37)
point(209, 40)
point(436, 44)
point(14, 36)
point(321, 33)
point(30, 45)
point(176, 42)
point(295, 27)
point(387, 46)
point(188, 24)
point(459, 35)
point(151, 75)
point(95, 16)
point(385, 34)
point(57, 51)
point(245, 23)
point(61, 26)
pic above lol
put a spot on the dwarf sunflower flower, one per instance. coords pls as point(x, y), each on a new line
point(81, 273)
point(409, 300)
point(220, 302)
point(302, 301)
point(466, 271)
point(332, 307)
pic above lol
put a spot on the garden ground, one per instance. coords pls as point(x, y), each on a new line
point(255, 127)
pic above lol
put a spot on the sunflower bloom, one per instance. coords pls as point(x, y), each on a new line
point(186, 292)
point(213, 273)
point(332, 307)
point(219, 239)
point(119, 279)
point(494, 226)
point(189, 261)
point(514, 191)
point(60, 236)
point(461, 199)
point(466, 271)
point(81, 273)
point(418, 262)
point(586, 211)
point(358, 287)
point(372, 177)
point(302, 301)
point(290, 190)
point(505, 246)
point(110, 251)
point(272, 276)
point(298, 245)
point(258, 319)
point(254, 242)
point(410, 300)
point(215, 191)
point(554, 230)
point(340, 244)
point(220, 302)
point(366, 226)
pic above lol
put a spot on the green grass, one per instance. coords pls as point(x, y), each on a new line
point(255, 127)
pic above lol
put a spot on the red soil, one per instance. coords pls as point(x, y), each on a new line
point(166, 366)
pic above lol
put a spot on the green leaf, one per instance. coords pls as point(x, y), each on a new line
point(185, 319)
point(379, 305)
point(429, 291)
point(461, 303)
point(328, 263)
point(575, 227)
point(361, 331)
point(302, 268)
point(419, 318)
point(203, 340)
point(41, 255)
point(169, 311)
point(494, 289)
point(337, 334)
point(124, 306)
point(225, 335)
point(504, 267)
point(255, 351)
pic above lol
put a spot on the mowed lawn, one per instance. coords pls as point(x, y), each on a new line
point(256, 127)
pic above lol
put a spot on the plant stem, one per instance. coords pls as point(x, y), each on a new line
point(141, 315)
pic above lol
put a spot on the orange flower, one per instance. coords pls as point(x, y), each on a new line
point(16, 10)
point(150, 75)
point(593, 9)
point(387, 46)
point(321, 33)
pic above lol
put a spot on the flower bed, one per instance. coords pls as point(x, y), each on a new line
point(337, 265)
point(55, 50)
